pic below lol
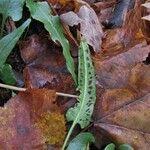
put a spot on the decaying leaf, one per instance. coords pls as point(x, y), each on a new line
point(114, 72)
point(52, 72)
point(118, 39)
point(33, 48)
point(122, 111)
point(23, 121)
point(91, 28)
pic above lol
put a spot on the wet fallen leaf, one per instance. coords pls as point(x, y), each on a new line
point(50, 73)
point(34, 119)
point(122, 111)
point(114, 71)
point(32, 48)
point(27, 121)
point(119, 38)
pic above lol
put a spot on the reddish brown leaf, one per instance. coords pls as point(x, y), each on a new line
point(122, 114)
point(46, 68)
point(32, 48)
point(114, 72)
point(22, 121)
point(119, 38)
point(129, 124)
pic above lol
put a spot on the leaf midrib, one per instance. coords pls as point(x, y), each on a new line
point(85, 85)
point(45, 16)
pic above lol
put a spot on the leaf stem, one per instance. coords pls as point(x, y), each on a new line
point(68, 135)
point(24, 89)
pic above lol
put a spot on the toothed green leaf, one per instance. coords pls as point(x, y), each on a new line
point(82, 111)
point(41, 11)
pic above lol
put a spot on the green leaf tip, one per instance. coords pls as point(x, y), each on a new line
point(110, 146)
point(12, 8)
point(81, 141)
point(125, 147)
point(42, 12)
point(7, 75)
point(8, 42)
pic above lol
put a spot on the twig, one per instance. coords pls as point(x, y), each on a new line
point(12, 87)
point(24, 89)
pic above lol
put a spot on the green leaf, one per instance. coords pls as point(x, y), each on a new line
point(81, 141)
point(83, 110)
point(121, 147)
point(110, 147)
point(12, 8)
point(7, 75)
point(8, 42)
point(125, 147)
point(41, 11)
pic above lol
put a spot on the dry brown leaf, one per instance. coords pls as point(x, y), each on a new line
point(91, 28)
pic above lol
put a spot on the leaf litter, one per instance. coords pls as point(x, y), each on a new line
point(35, 119)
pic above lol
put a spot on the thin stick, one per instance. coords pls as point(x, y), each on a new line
point(12, 87)
point(66, 95)
point(24, 89)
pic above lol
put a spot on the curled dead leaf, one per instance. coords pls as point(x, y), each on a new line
point(90, 27)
